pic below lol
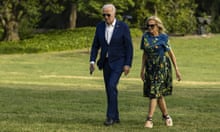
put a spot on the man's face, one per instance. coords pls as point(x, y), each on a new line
point(108, 15)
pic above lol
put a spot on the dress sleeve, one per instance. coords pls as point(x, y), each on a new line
point(142, 43)
point(166, 43)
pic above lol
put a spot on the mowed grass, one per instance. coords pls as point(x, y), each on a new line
point(50, 92)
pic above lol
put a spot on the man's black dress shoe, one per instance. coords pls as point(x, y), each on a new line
point(110, 122)
point(117, 121)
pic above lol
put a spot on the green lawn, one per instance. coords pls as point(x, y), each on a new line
point(51, 92)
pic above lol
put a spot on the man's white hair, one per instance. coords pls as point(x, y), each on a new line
point(109, 5)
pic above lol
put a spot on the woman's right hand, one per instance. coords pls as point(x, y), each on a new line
point(142, 75)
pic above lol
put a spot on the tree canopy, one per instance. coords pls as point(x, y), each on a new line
point(179, 16)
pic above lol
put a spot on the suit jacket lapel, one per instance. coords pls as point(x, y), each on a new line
point(116, 29)
point(103, 32)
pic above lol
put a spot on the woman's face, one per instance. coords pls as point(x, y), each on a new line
point(152, 27)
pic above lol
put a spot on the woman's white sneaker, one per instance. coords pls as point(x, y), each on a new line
point(168, 120)
point(148, 124)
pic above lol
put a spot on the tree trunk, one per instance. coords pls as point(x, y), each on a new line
point(11, 31)
point(73, 16)
point(155, 10)
point(9, 22)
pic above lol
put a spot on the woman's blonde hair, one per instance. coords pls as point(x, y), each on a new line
point(158, 22)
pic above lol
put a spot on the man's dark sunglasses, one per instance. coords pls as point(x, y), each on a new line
point(108, 15)
point(151, 25)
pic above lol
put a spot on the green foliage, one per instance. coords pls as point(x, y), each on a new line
point(53, 6)
point(51, 41)
point(139, 12)
point(26, 28)
point(1, 32)
point(178, 16)
point(135, 32)
point(215, 23)
point(57, 40)
point(92, 8)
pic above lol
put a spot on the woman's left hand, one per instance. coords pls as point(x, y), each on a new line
point(178, 75)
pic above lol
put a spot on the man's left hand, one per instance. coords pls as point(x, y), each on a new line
point(126, 70)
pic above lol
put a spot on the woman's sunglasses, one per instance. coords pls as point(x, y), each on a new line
point(151, 25)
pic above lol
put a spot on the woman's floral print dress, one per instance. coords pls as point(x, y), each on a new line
point(158, 72)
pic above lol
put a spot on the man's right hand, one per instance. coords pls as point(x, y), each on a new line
point(91, 68)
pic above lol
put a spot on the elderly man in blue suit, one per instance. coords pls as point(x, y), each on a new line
point(113, 38)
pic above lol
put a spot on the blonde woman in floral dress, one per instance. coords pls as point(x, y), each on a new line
point(156, 69)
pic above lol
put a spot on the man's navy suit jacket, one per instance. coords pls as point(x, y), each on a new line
point(120, 49)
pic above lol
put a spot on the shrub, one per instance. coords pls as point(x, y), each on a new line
point(56, 40)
